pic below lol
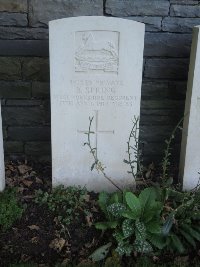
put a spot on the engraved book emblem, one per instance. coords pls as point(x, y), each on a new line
point(97, 51)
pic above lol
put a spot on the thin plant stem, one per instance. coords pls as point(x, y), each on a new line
point(97, 164)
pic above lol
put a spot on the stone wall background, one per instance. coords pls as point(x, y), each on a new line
point(24, 67)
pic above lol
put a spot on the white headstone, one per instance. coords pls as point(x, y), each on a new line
point(96, 71)
point(190, 147)
point(2, 168)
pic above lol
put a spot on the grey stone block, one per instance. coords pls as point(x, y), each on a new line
point(10, 68)
point(13, 147)
point(40, 90)
point(13, 5)
point(16, 89)
point(159, 134)
point(13, 19)
point(167, 45)
point(162, 104)
point(126, 8)
point(24, 48)
point(24, 102)
point(23, 116)
point(38, 148)
point(29, 133)
point(185, 11)
point(12, 33)
point(152, 24)
point(41, 12)
point(159, 90)
point(166, 68)
point(35, 69)
point(185, 2)
point(172, 24)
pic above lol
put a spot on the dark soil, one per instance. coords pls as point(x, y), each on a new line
point(37, 236)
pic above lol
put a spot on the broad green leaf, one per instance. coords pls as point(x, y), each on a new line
point(106, 225)
point(140, 230)
point(116, 209)
point(133, 203)
point(103, 200)
point(168, 224)
point(116, 198)
point(124, 248)
point(177, 243)
point(100, 253)
point(129, 215)
point(146, 197)
point(128, 228)
point(188, 238)
point(191, 231)
point(153, 227)
point(142, 246)
point(157, 240)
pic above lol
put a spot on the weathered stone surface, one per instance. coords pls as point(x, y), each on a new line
point(29, 133)
point(99, 74)
point(159, 119)
point(182, 2)
point(174, 90)
point(13, 147)
point(19, 116)
point(13, 5)
point(136, 8)
point(10, 68)
point(152, 24)
point(24, 102)
point(166, 68)
point(185, 11)
point(38, 148)
point(167, 45)
point(2, 167)
point(13, 19)
point(40, 90)
point(161, 104)
point(172, 24)
point(24, 48)
point(11, 33)
point(35, 69)
point(15, 89)
point(190, 147)
point(41, 12)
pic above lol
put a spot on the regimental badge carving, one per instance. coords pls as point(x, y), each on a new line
point(97, 51)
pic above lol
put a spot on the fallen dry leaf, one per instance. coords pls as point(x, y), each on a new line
point(23, 169)
point(27, 183)
point(57, 244)
point(38, 181)
point(34, 227)
point(89, 219)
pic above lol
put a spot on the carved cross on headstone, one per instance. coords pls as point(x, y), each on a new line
point(97, 131)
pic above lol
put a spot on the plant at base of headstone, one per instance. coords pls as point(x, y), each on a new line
point(182, 220)
point(10, 209)
point(135, 221)
point(97, 163)
point(166, 180)
point(66, 203)
point(134, 154)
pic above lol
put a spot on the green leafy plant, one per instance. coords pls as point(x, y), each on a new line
point(166, 180)
point(182, 220)
point(133, 151)
point(66, 203)
point(135, 219)
point(10, 209)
